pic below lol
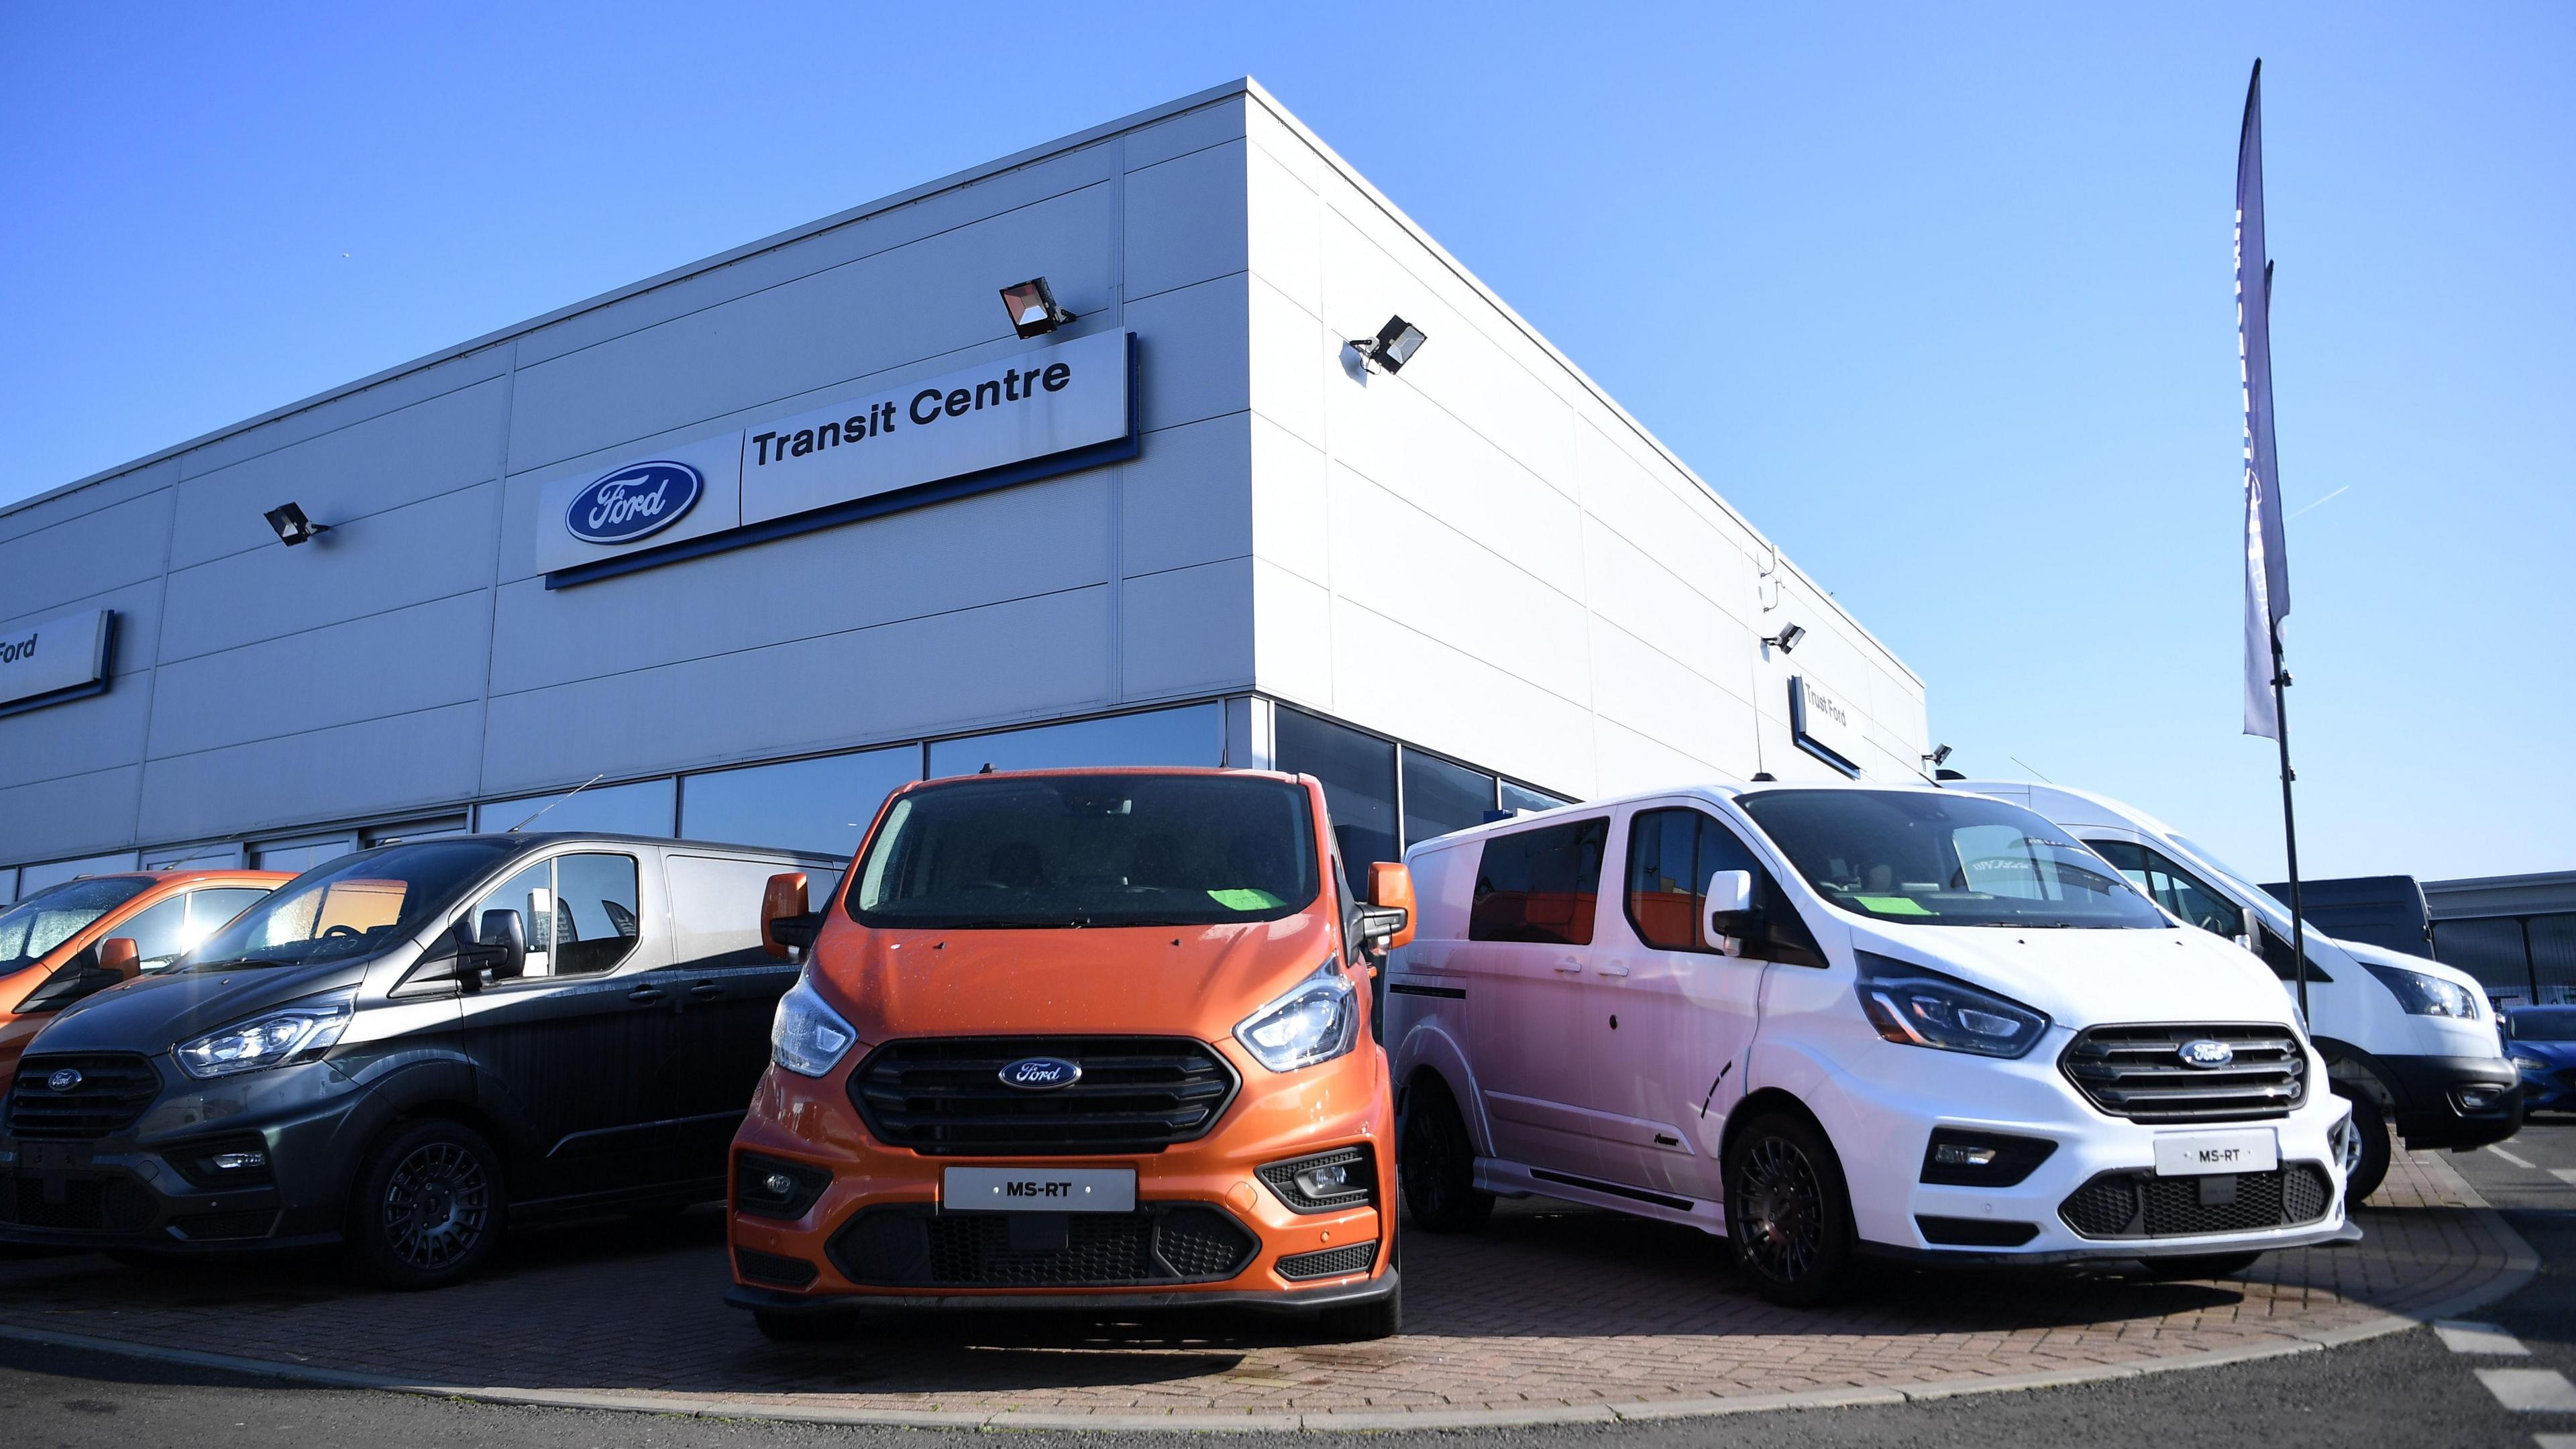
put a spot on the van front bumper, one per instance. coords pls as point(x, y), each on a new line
point(152, 1185)
point(2435, 1097)
point(2094, 1196)
point(1299, 1302)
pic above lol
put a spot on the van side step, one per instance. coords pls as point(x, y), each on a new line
point(1512, 1179)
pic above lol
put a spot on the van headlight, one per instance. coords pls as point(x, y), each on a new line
point(808, 1037)
point(2423, 994)
point(267, 1040)
point(1912, 1006)
point(1317, 1020)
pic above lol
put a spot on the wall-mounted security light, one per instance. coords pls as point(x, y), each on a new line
point(1392, 347)
point(1787, 639)
point(292, 526)
point(1940, 755)
point(1033, 309)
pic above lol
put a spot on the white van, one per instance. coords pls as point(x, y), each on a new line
point(2409, 1041)
point(1835, 1021)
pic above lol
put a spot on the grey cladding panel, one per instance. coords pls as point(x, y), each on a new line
point(71, 815)
point(1185, 221)
point(351, 772)
point(76, 737)
point(408, 659)
point(364, 469)
point(84, 556)
point(989, 665)
point(429, 550)
point(1194, 352)
point(30, 518)
point(138, 623)
point(1188, 496)
point(1041, 538)
point(905, 306)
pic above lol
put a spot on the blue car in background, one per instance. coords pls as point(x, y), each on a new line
point(2541, 1040)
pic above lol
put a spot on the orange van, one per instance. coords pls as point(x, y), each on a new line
point(58, 945)
point(1094, 1039)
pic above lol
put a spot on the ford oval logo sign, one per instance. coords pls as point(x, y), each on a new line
point(2205, 1053)
point(634, 502)
point(64, 1080)
point(1041, 1074)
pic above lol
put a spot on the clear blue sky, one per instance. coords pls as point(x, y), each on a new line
point(1972, 360)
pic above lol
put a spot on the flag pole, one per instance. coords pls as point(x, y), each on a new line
point(2290, 820)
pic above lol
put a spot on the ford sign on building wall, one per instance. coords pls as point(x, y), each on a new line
point(748, 544)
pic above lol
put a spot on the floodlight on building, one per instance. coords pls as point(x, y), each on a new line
point(1940, 755)
point(292, 526)
point(1392, 347)
point(1032, 308)
point(1787, 639)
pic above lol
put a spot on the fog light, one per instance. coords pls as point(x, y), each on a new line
point(8, 1156)
point(237, 1161)
point(1952, 1154)
point(2478, 1099)
point(1329, 1180)
point(1325, 1182)
point(778, 1185)
point(1956, 1157)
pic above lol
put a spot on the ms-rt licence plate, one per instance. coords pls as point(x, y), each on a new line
point(2195, 1154)
point(1038, 1190)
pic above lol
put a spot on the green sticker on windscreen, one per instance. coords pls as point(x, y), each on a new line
point(1246, 900)
point(1895, 905)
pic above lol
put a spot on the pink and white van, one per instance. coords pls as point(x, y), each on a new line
point(1843, 1021)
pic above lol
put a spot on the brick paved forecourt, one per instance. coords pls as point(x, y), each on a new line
point(1553, 1314)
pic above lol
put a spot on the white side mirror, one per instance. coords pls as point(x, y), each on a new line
point(1730, 905)
point(2252, 939)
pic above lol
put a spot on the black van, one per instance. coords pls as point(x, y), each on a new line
point(404, 1048)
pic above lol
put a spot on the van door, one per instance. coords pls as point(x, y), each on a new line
point(574, 1055)
point(1530, 927)
point(1686, 1012)
point(729, 988)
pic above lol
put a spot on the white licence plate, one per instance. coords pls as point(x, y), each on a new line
point(2195, 1154)
point(1038, 1190)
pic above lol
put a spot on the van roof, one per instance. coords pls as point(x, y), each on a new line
point(2114, 812)
point(1732, 789)
point(521, 839)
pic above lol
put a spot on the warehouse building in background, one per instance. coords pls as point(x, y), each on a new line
point(753, 542)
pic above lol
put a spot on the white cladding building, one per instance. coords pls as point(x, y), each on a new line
point(753, 541)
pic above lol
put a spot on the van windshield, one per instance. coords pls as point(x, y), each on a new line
point(1945, 860)
point(54, 915)
point(353, 906)
point(1089, 850)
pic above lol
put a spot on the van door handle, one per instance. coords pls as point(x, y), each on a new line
point(706, 991)
point(1569, 965)
point(1614, 968)
point(645, 994)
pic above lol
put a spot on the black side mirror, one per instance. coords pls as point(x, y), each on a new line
point(498, 951)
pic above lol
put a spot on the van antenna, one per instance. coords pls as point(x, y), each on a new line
point(558, 800)
point(2034, 769)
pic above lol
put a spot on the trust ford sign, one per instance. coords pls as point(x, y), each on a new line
point(634, 502)
point(1041, 1074)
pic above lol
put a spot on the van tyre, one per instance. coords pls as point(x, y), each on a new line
point(427, 1207)
point(1788, 1212)
point(2372, 1126)
point(1365, 1322)
point(1436, 1162)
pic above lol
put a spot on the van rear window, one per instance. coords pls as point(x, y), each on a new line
point(1540, 885)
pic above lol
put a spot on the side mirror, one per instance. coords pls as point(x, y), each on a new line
point(2252, 926)
point(787, 922)
point(118, 954)
point(1730, 905)
point(502, 941)
point(1388, 922)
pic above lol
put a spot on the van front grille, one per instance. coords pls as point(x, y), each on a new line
point(2139, 1204)
point(81, 1204)
point(108, 1092)
point(1134, 1094)
point(2139, 1072)
point(908, 1245)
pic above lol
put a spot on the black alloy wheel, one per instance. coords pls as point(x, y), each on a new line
point(1788, 1212)
point(1435, 1161)
point(2371, 1124)
point(428, 1206)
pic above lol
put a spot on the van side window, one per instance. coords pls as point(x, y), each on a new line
point(211, 910)
point(1540, 885)
point(160, 933)
point(715, 908)
point(598, 914)
point(1671, 855)
point(2173, 888)
point(531, 893)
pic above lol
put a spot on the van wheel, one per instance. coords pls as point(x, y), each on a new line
point(1435, 1160)
point(1788, 1211)
point(1365, 1322)
point(2204, 1265)
point(2372, 1125)
point(427, 1208)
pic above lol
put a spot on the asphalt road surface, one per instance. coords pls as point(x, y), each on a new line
point(2411, 1389)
